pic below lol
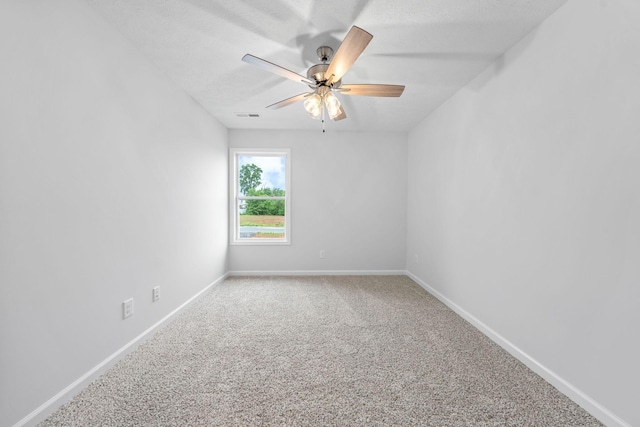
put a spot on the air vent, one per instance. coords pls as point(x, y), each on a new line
point(249, 115)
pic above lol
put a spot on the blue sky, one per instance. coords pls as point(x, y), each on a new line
point(273, 169)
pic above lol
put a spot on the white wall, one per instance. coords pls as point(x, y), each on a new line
point(524, 201)
point(521, 208)
point(348, 197)
point(112, 181)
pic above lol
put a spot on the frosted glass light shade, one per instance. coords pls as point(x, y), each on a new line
point(333, 104)
point(313, 105)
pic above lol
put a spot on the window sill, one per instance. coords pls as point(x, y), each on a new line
point(261, 242)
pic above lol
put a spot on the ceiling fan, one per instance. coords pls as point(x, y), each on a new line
point(325, 79)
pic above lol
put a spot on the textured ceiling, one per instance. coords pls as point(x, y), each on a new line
point(434, 47)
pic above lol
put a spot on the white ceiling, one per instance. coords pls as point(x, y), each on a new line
point(434, 47)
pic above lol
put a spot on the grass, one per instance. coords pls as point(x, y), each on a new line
point(262, 221)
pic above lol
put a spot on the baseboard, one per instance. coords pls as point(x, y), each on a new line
point(590, 405)
point(51, 405)
point(320, 273)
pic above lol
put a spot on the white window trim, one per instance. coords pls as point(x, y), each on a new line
point(234, 214)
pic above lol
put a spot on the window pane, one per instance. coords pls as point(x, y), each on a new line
point(261, 226)
point(261, 175)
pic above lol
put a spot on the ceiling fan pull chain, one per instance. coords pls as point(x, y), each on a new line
point(323, 119)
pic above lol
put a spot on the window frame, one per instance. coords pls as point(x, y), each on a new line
point(235, 197)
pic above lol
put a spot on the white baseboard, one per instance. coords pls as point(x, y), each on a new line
point(590, 405)
point(320, 273)
point(51, 405)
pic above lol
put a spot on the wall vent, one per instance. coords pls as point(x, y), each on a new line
point(249, 115)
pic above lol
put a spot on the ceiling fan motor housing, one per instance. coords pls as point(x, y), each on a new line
point(316, 73)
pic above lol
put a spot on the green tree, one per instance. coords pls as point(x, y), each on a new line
point(250, 178)
point(266, 207)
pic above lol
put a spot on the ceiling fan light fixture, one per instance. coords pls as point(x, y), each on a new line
point(313, 105)
point(333, 104)
point(316, 114)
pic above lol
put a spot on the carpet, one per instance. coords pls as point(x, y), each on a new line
point(319, 351)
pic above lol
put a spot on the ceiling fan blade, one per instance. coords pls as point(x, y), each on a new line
point(371, 90)
point(276, 69)
point(352, 46)
point(289, 101)
point(340, 116)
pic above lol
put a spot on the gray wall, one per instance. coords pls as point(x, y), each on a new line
point(524, 201)
point(112, 181)
point(348, 198)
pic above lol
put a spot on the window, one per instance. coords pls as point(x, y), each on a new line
point(260, 196)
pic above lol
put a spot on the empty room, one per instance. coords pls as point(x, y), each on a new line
point(356, 212)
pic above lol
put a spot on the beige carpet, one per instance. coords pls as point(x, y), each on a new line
point(315, 351)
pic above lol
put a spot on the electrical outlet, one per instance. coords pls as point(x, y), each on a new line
point(156, 294)
point(322, 254)
point(127, 308)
